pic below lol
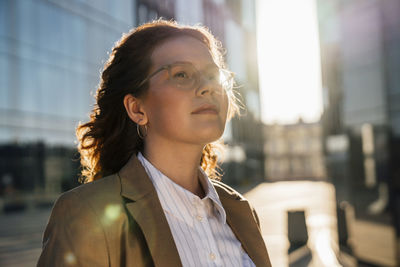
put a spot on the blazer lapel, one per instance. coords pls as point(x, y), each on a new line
point(147, 211)
point(241, 220)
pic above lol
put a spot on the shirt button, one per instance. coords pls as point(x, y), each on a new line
point(199, 218)
point(212, 256)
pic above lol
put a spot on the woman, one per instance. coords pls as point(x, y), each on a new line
point(163, 99)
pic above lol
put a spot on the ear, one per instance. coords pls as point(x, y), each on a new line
point(134, 109)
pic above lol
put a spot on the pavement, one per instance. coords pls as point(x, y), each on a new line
point(373, 243)
point(21, 237)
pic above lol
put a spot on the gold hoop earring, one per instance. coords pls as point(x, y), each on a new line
point(141, 136)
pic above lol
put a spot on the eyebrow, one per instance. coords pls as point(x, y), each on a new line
point(210, 65)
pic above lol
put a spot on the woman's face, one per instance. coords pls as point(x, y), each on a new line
point(184, 115)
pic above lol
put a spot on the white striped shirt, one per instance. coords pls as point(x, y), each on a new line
point(198, 226)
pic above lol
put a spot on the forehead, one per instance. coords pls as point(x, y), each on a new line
point(182, 48)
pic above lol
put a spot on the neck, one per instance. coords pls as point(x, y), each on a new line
point(179, 162)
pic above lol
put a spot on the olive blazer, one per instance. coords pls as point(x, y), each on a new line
point(118, 221)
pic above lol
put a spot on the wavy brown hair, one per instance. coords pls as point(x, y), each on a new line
point(109, 139)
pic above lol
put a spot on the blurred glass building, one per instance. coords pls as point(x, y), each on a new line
point(360, 53)
point(51, 55)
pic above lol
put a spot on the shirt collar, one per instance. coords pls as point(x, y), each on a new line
point(212, 194)
point(175, 199)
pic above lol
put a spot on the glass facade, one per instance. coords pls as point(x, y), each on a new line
point(51, 56)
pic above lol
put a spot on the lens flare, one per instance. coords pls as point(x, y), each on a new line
point(111, 213)
point(70, 258)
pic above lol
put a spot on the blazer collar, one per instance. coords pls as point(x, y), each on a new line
point(240, 218)
point(146, 208)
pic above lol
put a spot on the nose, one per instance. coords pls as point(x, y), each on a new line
point(208, 87)
point(204, 89)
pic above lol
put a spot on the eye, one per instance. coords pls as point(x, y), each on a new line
point(181, 75)
point(213, 77)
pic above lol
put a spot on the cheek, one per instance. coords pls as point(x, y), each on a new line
point(225, 106)
point(166, 110)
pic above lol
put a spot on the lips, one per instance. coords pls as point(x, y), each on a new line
point(206, 109)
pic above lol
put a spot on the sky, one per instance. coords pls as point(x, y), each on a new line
point(289, 61)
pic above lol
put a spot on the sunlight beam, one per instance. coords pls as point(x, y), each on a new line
point(289, 60)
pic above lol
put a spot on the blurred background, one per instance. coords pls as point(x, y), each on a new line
point(316, 151)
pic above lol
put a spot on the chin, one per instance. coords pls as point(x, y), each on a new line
point(206, 137)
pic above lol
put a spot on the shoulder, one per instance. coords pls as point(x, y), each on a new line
point(101, 190)
point(86, 206)
point(223, 188)
point(109, 183)
point(90, 200)
point(76, 225)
